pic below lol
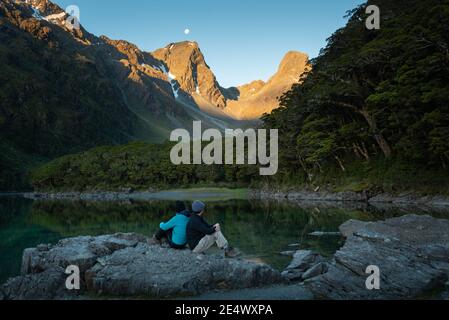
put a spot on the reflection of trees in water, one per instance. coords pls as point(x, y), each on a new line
point(12, 207)
point(73, 218)
point(259, 227)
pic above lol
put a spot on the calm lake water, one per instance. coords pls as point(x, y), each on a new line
point(261, 230)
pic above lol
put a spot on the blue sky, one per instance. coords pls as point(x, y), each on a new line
point(242, 40)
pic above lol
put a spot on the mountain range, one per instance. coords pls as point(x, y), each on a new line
point(64, 90)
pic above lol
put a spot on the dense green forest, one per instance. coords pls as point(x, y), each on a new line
point(53, 96)
point(376, 102)
point(40, 116)
point(372, 114)
point(137, 165)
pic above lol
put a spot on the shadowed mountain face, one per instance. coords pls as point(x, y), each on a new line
point(165, 89)
point(65, 90)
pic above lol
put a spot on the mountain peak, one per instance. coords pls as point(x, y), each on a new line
point(258, 97)
point(292, 61)
point(183, 44)
point(292, 65)
point(45, 7)
point(187, 64)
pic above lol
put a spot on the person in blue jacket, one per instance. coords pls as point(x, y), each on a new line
point(174, 231)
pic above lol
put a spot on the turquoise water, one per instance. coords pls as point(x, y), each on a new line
point(261, 230)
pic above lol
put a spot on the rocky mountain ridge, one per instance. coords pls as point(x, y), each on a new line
point(172, 77)
point(65, 90)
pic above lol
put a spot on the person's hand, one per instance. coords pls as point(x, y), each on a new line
point(217, 227)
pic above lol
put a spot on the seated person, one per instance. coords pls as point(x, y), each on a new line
point(174, 231)
point(201, 235)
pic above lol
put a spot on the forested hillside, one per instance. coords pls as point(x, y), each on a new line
point(52, 100)
point(372, 115)
point(137, 165)
point(374, 100)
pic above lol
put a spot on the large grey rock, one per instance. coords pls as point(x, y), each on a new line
point(126, 265)
point(315, 271)
point(302, 261)
point(81, 251)
point(412, 253)
point(158, 272)
point(48, 284)
point(348, 228)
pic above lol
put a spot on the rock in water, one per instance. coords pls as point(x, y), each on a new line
point(125, 265)
point(412, 253)
point(303, 260)
point(315, 271)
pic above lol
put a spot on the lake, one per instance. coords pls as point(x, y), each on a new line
point(260, 229)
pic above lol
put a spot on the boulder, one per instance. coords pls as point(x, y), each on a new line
point(158, 272)
point(128, 266)
point(302, 261)
point(38, 286)
point(315, 271)
point(348, 228)
point(81, 251)
point(412, 253)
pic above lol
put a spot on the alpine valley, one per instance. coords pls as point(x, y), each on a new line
point(65, 90)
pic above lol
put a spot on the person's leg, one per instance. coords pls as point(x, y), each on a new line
point(169, 235)
point(161, 234)
point(205, 243)
point(220, 240)
point(209, 240)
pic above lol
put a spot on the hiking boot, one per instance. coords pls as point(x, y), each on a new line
point(231, 252)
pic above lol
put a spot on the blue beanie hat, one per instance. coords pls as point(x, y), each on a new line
point(198, 206)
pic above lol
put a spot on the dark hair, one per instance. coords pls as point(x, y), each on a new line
point(180, 206)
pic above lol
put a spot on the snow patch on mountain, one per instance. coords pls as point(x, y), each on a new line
point(37, 14)
point(173, 84)
point(57, 16)
point(171, 76)
point(50, 18)
point(171, 79)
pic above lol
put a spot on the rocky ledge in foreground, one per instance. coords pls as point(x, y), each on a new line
point(411, 252)
point(125, 265)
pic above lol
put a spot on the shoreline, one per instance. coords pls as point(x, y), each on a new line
point(173, 194)
point(299, 197)
point(294, 196)
point(304, 196)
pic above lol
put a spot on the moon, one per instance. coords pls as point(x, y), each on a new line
point(187, 31)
